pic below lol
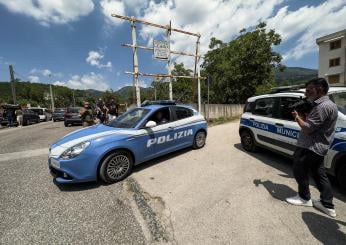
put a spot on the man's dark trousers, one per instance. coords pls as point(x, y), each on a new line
point(304, 161)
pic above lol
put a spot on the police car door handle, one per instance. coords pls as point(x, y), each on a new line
point(170, 128)
point(252, 119)
point(279, 124)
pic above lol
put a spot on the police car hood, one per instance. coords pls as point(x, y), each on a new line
point(91, 133)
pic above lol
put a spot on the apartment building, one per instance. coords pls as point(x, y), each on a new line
point(332, 57)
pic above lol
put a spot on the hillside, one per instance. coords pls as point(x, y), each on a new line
point(126, 92)
point(294, 75)
point(38, 94)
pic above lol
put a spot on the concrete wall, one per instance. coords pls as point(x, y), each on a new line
point(221, 110)
point(325, 54)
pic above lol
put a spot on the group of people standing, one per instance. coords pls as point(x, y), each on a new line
point(102, 113)
point(13, 116)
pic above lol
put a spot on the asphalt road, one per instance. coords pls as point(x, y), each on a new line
point(33, 210)
point(223, 195)
point(217, 195)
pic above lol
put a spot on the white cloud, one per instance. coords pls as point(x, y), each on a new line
point(50, 12)
point(122, 7)
point(94, 58)
point(45, 72)
point(86, 81)
point(308, 23)
point(109, 7)
point(34, 79)
point(224, 19)
point(214, 18)
point(59, 83)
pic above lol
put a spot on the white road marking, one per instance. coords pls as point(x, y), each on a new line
point(23, 154)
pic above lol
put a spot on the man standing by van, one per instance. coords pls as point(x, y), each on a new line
point(316, 135)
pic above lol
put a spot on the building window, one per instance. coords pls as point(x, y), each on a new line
point(334, 62)
point(335, 45)
point(334, 79)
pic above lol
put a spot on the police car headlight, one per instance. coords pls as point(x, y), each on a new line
point(75, 150)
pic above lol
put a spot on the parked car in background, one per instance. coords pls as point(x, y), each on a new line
point(29, 117)
point(4, 109)
point(58, 114)
point(72, 116)
point(43, 113)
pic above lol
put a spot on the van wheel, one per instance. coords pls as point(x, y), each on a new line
point(248, 141)
point(66, 124)
point(117, 166)
point(341, 176)
point(199, 140)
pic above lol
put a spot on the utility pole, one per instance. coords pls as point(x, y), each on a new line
point(74, 101)
point(135, 63)
point(208, 95)
point(199, 88)
point(169, 31)
point(13, 85)
point(51, 96)
point(195, 72)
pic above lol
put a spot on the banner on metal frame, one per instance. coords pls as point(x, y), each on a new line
point(161, 49)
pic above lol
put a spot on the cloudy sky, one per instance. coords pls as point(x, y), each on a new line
point(78, 43)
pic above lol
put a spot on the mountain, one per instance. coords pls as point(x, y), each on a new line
point(126, 92)
point(294, 75)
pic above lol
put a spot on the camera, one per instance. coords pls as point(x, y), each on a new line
point(303, 107)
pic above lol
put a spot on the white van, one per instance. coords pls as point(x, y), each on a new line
point(267, 122)
point(43, 113)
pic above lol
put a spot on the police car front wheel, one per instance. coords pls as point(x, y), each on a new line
point(199, 140)
point(247, 141)
point(116, 166)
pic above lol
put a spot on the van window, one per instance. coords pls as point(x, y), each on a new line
point(340, 101)
point(249, 106)
point(285, 110)
point(266, 107)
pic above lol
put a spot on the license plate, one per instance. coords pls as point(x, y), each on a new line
point(54, 163)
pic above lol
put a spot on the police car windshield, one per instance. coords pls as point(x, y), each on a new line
point(340, 101)
point(129, 119)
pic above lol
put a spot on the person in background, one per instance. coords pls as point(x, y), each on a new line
point(113, 110)
point(87, 115)
point(105, 112)
point(10, 115)
point(19, 114)
point(100, 111)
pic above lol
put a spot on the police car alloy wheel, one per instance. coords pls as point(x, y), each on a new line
point(116, 167)
point(247, 141)
point(199, 140)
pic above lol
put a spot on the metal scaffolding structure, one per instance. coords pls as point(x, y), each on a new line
point(169, 30)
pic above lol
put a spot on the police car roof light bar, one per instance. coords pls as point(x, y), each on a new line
point(292, 88)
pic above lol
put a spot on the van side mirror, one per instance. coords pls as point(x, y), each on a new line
point(150, 124)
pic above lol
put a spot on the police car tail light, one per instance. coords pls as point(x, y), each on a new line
point(75, 150)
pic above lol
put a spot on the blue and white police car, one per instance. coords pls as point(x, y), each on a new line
point(109, 151)
point(267, 122)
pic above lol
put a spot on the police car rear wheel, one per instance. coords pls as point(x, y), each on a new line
point(341, 176)
point(247, 141)
point(116, 167)
point(199, 140)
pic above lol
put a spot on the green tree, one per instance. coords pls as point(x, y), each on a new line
point(183, 88)
point(244, 66)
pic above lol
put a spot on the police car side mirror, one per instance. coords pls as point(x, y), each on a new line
point(150, 124)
